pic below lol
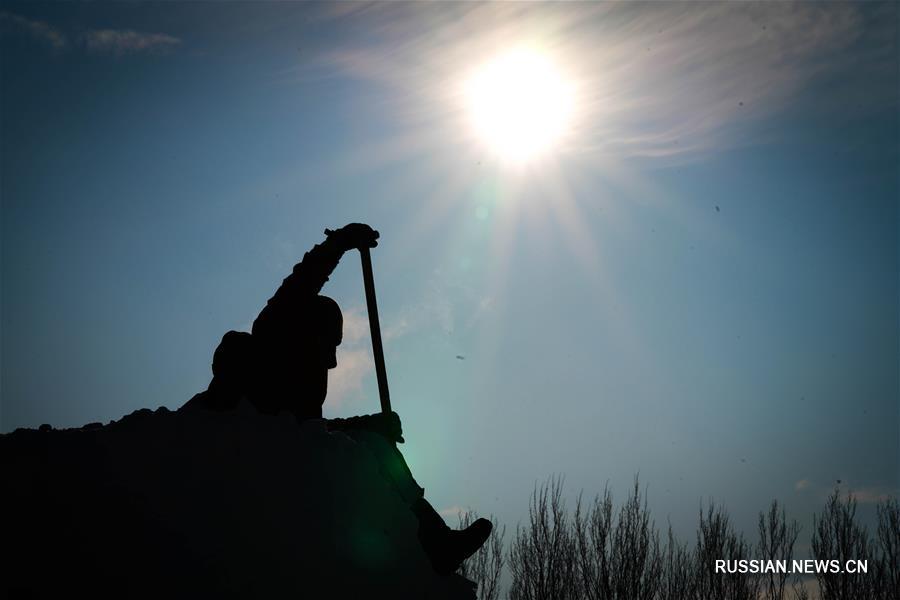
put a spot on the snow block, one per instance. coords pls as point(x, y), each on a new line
point(205, 504)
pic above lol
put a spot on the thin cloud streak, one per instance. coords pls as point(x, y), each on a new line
point(356, 325)
point(354, 360)
point(345, 382)
point(873, 495)
point(665, 80)
point(38, 29)
point(452, 511)
point(863, 495)
point(126, 41)
point(109, 41)
point(435, 310)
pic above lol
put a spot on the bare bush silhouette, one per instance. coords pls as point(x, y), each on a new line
point(679, 571)
point(618, 560)
point(609, 553)
point(717, 539)
point(799, 590)
point(593, 533)
point(542, 556)
point(837, 536)
point(485, 566)
point(776, 542)
point(886, 552)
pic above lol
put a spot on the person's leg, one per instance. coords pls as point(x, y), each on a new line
point(391, 463)
point(445, 547)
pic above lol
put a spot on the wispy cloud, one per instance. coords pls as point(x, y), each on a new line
point(356, 325)
point(354, 360)
point(863, 495)
point(38, 29)
point(346, 380)
point(873, 495)
point(127, 41)
point(109, 41)
point(653, 80)
point(452, 511)
point(435, 309)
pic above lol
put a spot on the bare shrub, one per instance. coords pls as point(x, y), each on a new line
point(542, 556)
point(617, 560)
point(604, 553)
point(679, 571)
point(593, 537)
point(837, 536)
point(886, 552)
point(485, 566)
point(716, 539)
point(776, 542)
point(799, 589)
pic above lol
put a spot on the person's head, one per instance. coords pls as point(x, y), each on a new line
point(292, 362)
point(317, 351)
point(233, 360)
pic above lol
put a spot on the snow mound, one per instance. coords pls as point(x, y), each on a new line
point(204, 504)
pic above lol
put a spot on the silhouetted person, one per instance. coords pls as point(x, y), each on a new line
point(232, 367)
point(284, 365)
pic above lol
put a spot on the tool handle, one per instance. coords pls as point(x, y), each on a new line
point(375, 328)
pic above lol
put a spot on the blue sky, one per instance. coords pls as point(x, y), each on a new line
point(698, 283)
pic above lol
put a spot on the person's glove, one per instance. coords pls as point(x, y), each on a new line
point(387, 425)
point(354, 235)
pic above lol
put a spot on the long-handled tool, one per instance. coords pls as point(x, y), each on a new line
point(375, 328)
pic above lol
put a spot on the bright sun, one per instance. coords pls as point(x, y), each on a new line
point(520, 105)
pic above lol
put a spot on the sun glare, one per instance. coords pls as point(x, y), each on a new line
point(520, 105)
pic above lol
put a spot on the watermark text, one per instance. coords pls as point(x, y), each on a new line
point(753, 565)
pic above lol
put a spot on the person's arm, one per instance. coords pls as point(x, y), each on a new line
point(310, 274)
point(387, 425)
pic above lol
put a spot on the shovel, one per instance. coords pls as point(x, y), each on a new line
point(375, 328)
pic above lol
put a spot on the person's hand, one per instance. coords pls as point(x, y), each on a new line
point(387, 424)
point(354, 235)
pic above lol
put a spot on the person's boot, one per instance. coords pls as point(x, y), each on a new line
point(445, 547)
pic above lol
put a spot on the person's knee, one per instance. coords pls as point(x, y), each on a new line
point(391, 464)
